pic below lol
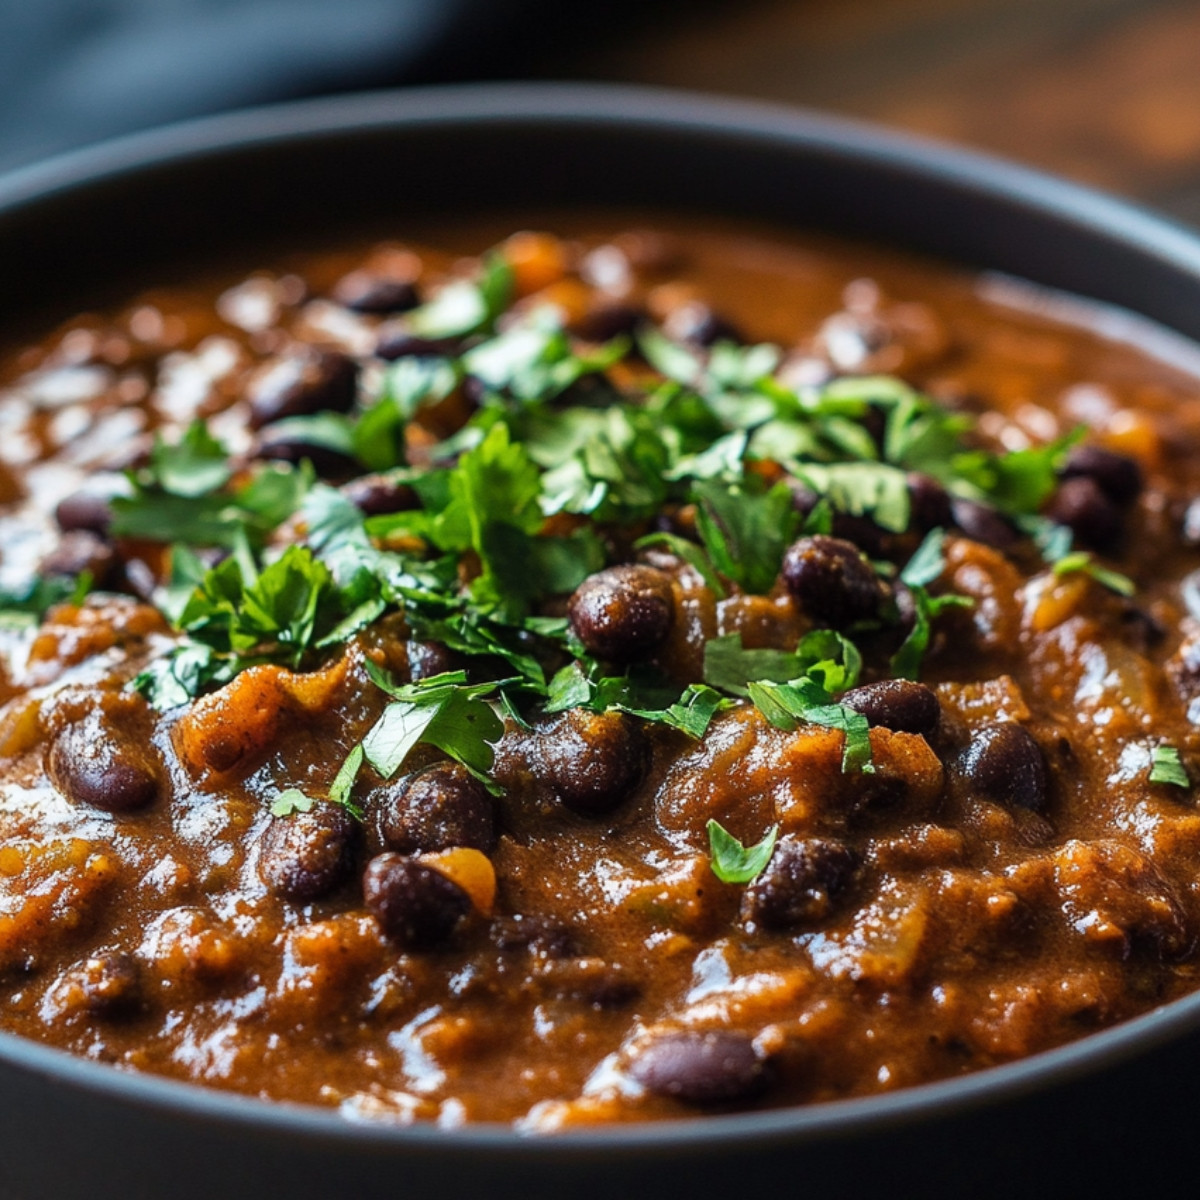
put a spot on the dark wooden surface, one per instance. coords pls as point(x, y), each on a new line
point(1104, 91)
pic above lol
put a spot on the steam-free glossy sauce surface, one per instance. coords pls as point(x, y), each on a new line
point(545, 941)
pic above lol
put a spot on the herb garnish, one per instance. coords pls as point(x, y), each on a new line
point(733, 862)
point(1167, 767)
point(562, 455)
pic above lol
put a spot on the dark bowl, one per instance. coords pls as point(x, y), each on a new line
point(1111, 1114)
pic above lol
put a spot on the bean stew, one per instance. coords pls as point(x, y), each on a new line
point(616, 673)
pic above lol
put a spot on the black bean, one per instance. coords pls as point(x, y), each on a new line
point(801, 884)
point(804, 499)
point(429, 658)
point(697, 323)
point(302, 383)
point(1118, 476)
point(831, 580)
point(306, 855)
point(366, 292)
point(89, 510)
point(417, 907)
point(1081, 505)
point(279, 444)
point(610, 320)
point(896, 704)
point(106, 984)
point(1006, 765)
point(80, 551)
point(1142, 629)
point(623, 613)
point(436, 809)
point(982, 523)
point(868, 537)
point(378, 495)
point(929, 503)
point(536, 935)
point(396, 341)
point(99, 762)
point(591, 761)
point(717, 1067)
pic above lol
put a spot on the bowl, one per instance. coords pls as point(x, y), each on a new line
point(1111, 1112)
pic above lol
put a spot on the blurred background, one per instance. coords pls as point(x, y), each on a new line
point(1106, 91)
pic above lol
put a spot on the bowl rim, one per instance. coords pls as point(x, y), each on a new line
point(702, 117)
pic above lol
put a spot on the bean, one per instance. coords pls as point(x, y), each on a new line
point(1081, 505)
point(801, 883)
point(305, 382)
point(536, 935)
point(896, 704)
point(717, 1067)
point(280, 445)
point(306, 855)
point(1006, 765)
point(416, 906)
point(106, 984)
point(428, 658)
point(623, 613)
point(929, 503)
point(1118, 476)
point(700, 325)
point(378, 496)
point(862, 532)
point(100, 763)
point(366, 292)
point(395, 341)
point(80, 551)
point(1142, 629)
point(608, 321)
point(591, 761)
point(831, 580)
point(982, 523)
point(437, 809)
point(89, 510)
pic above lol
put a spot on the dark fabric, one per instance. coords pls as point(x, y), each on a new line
point(75, 71)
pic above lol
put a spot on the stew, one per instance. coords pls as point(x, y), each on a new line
point(639, 670)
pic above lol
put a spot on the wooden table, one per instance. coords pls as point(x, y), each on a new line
point(1105, 91)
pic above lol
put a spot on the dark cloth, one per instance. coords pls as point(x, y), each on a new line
point(76, 71)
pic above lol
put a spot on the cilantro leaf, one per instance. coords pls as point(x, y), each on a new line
point(28, 605)
point(785, 705)
point(1081, 562)
point(746, 528)
point(1167, 767)
point(733, 862)
point(289, 801)
point(443, 710)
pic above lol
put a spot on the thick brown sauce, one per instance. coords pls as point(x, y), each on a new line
point(974, 934)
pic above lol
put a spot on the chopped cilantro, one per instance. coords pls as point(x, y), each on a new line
point(289, 801)
point(30, 604)
point(1167, 767)
point(1083, 563)
point(746, 527)
point(733, 862)
point(443, 710)
point(785, 705)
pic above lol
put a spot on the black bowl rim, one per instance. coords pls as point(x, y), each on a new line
point(703, 118)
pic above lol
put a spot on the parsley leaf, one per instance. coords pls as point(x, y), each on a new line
point(785, 705)
point(733, 862)
point(746, 528)
point(1081, 562)
point(443, 710)
point(1167, 767)
point(30, 604)
point(289, 801)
